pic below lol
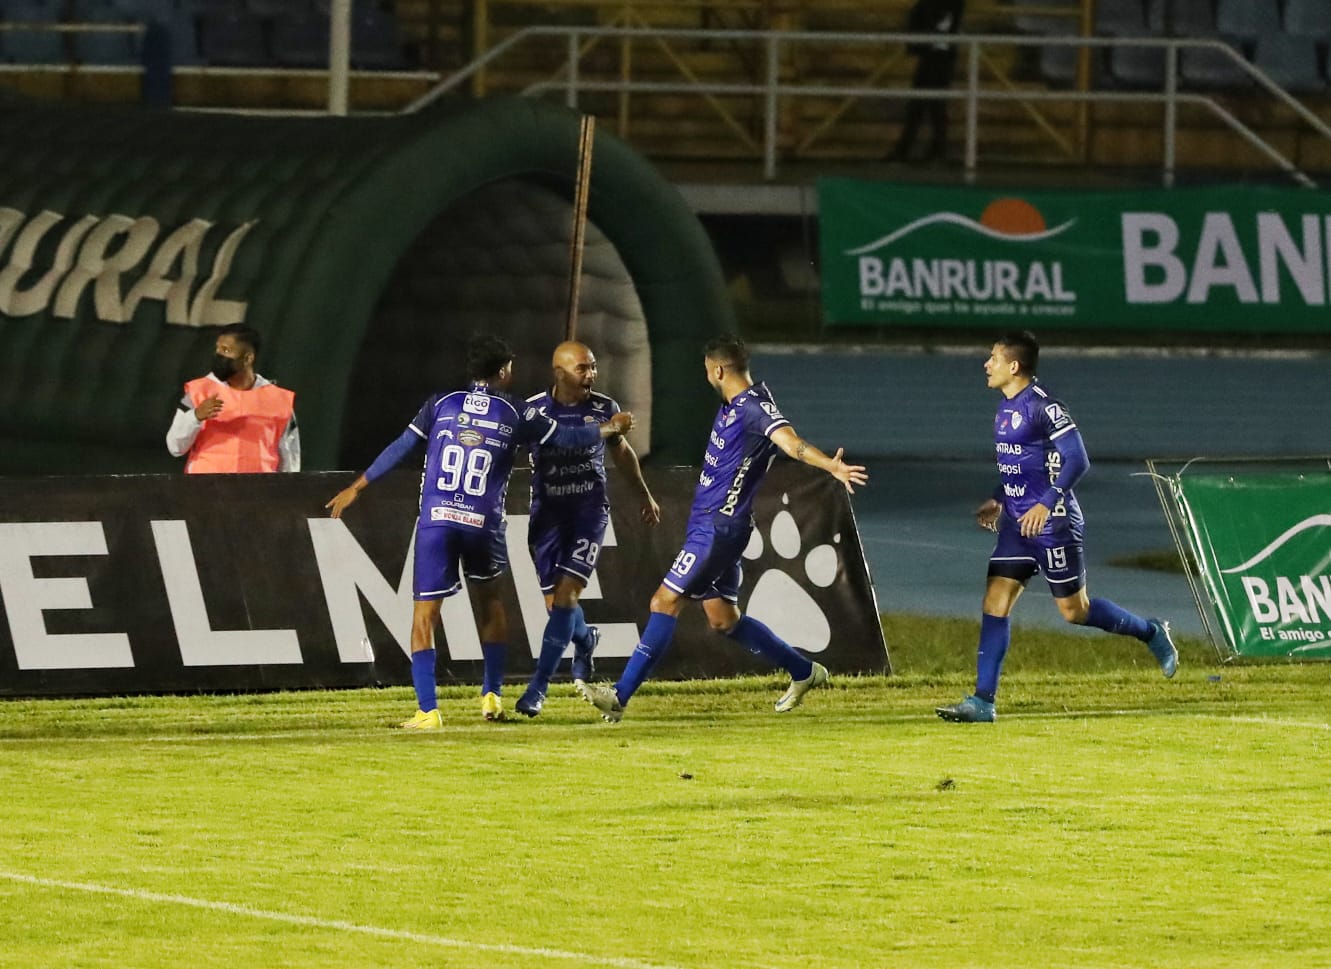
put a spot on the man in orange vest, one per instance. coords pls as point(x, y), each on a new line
point(232, 420)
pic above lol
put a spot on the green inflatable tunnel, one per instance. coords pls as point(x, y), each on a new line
point(364, 250)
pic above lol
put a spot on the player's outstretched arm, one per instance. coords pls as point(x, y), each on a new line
point(346, 496)
point(388, 459)
point(801, 450)
point(626, 460)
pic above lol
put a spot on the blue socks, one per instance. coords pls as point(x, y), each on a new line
point(580, 632)
point(493, 681)
point(422, 678)
point(653, 645)
point(1112, 618)
point(760, 640)
point(995, 634)
point(558, 631)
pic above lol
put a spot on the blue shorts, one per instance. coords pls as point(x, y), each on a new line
point(566, 541)
point(1061, 557)
point(708, 566)
point(482, 552)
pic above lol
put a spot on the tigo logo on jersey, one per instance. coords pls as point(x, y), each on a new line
point(476, 404)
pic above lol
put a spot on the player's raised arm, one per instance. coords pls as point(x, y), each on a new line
point(801, 450)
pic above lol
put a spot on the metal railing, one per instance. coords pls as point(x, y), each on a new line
point(775, 92)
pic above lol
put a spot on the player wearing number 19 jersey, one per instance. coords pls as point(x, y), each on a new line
point(1040, 458)
point(470, 437)
point(748, 432)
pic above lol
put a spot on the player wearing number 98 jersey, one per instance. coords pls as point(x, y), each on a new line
point(470, 437)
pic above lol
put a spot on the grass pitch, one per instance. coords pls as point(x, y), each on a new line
point(1109, 819)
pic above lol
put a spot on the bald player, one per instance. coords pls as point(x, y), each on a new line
point(569, 514)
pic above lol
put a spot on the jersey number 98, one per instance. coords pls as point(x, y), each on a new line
point(460, 467)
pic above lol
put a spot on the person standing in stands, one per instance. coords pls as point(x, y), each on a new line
point(233, 420)
point(935, 61)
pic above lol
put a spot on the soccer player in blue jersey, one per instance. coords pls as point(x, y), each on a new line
point(1040, 458)
point(748, 432)
point(570, 512)
point(470, 437)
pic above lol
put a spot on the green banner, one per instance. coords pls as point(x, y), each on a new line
point(1263, 544)
point(1214, 259)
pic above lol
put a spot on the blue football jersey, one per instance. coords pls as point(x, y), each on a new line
point(564, 476)
point(739, 452)
point(1025, 429)
point(471, 437)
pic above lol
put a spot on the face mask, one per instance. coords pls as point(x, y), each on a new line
point(224, 367)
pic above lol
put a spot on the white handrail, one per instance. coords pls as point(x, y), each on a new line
point(773, 90)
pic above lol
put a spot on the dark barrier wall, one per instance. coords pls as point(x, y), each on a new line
point(127, 235)
point(145, 584)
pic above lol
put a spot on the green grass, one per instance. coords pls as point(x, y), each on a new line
point(1109, 819)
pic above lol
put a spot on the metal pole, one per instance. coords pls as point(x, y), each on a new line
point(339, 55)
point(571, 92)
point(586, 137)
point(769, 125)
point(1171, 112)
point(972, 109)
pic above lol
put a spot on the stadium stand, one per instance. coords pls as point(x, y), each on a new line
point(1308, 18)
point(1290, 61)
point(32, 46)
point(102, 48)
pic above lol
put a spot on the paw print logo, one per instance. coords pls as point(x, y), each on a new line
point(779, 599)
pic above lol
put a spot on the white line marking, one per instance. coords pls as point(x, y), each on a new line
point(310, 921)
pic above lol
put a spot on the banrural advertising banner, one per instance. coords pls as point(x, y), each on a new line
point(1263, 544)
point(1213, 259)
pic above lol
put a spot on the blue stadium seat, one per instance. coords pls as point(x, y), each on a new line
point(232, 38)
point(1181, 18)
point(273, 9)
point(1050, 24)
point(1138, 67)
point(1213, 69)
point(1289, 61)
point(300, 39)
point(376, 41)
point(184, 38)
point(1120, 18)
point(114, 49)
point(1308, 18)
point(1247, 19)
point(34, 46)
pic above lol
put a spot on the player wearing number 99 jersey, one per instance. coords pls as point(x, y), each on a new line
point(470, 437)
point(1040, 458)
